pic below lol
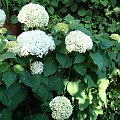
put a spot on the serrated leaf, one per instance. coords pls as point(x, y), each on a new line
point(9, 77)
point(97, 59)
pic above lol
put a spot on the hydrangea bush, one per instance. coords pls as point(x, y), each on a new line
point(63, 64)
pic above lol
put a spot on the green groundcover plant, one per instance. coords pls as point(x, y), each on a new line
point(66, 62)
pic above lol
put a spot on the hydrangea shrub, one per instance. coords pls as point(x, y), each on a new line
point(63, 64)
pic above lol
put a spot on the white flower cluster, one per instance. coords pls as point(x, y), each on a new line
point(2, 17)
point(12, 46)
point(78, 41)
point(35, 42)
point(33, 15)
point(36, 67)
point(61, 108)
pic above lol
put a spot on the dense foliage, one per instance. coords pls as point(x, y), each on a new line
point(90, 80)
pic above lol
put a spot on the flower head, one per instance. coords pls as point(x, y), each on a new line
point(78, 41)
point(115, 37)
point(35, 42)
point(12, 46)
point(61, 27)
point(36, 67)
point(33, 15)
point(61, 108)
point(2, 17)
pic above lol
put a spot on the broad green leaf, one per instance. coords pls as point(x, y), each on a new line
point(14, 19)
point(64, 60)
point(103, 84)
point(6, 55)
point(50, 67)
point(37, 117)
point(97, 59)
point(106, 43)
point(11, 37)
point(87, 19)
point(9, 77)
point(55, 82)
point(6, 114)
point(81, 12)
point(4, 66)
point(80, 68)
point(79, 58)
point(15, 100)
point(50, 10)
point(64, 1)
point(77, 90)
point(1, 95)
point(2, 46)
point(90, 83)
point(74, 7)
point(69, 18)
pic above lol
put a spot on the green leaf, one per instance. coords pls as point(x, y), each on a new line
point(55, 83)
point(103, 84)
point(65, 1)
point(50, 10)
point(80, 68)
point(97, 59)
point(77, 90)
point(81, 12)
point(64, 60)
point(37, 117)
point(11, 37)
point(9, 77)
point(79, 58)
point(6, 114)
point(14, 19)
point(74, 7)
point(69, 18)
point(50, 67)
point(4, 66)
point(87, 19)
point(15, 100)
point(6, 55)
point(90, 83)
point(2, 46)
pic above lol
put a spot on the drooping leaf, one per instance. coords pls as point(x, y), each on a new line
point(6, 55)
point(4, 66)
point(80, 68)
point(64, 60)
point(97, 59)
point(50, 67)
point(9, 77)
point(77, 90)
